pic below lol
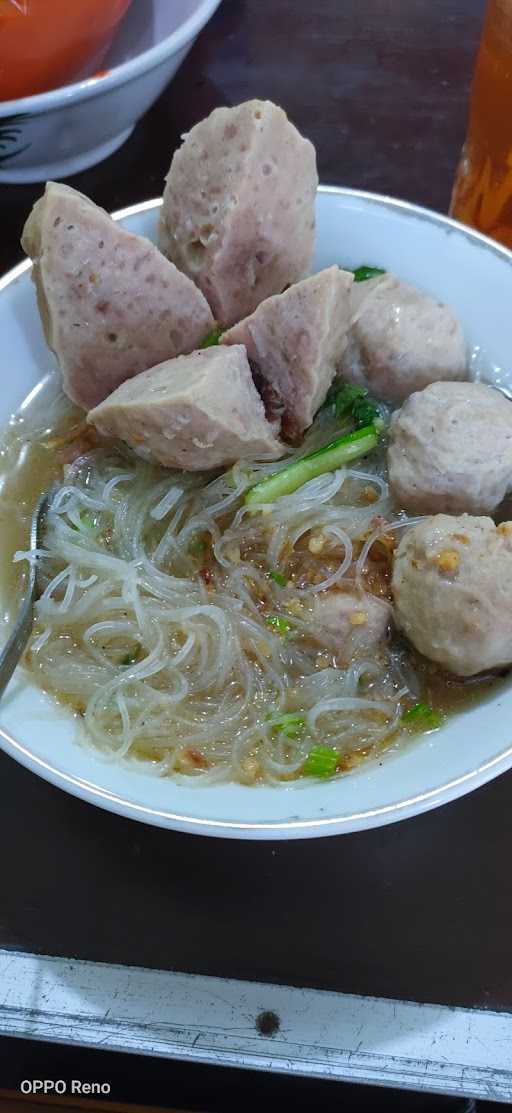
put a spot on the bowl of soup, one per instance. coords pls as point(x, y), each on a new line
point(273, 580)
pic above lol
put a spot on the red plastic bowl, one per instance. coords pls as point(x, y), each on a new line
point(48, 43)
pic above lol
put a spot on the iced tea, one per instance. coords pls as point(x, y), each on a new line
point(482, 193)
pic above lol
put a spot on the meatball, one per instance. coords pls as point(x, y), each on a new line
point(111, 305)
point(238, 212)
point(451, 586)
point(401, 340)
point(451, 450)
point(350, 620)
point(194, 412)
point(295, 340)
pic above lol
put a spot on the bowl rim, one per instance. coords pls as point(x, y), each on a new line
point(384, 814)
point(37, 103)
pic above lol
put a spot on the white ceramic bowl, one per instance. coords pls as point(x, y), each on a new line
point(59, 133)
point(474, 275)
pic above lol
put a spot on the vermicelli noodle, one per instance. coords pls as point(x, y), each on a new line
point(180, 623)
point(182, 626)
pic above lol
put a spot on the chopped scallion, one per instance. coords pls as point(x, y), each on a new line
point(290, 725)
point(422, 717)
point(278, 578)
point(321, 762)
point(279, 624)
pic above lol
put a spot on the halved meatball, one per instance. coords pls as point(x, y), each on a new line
point(195, 412)
point(110, 304)
point(451, 450)
point(451, 586)
point(400, 340)
point(238, 210)
point(296, 341)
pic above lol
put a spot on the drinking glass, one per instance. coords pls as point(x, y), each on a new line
point(482, 192)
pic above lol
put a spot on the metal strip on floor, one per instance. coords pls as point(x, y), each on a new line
point(278, 1028)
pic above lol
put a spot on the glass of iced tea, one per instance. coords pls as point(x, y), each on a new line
point(482, 193)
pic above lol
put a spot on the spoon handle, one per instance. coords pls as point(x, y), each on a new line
point(13, 649)
point(22, 629)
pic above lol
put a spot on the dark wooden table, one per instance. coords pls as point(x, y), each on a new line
point(420, 910)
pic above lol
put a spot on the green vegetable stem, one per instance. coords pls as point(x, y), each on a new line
point(335, 455)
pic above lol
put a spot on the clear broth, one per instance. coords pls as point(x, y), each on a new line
point(31, 462)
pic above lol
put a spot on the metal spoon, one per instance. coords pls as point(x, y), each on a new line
point(13, 649)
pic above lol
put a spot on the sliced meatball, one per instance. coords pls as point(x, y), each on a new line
point(400, 340)
point(350, 621)
point(110, 304)
point(451, 586)
point(296, 341)
point(195, 412)
point(451, 450)
point(238, 207)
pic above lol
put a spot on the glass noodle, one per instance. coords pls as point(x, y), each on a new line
point(181, 623)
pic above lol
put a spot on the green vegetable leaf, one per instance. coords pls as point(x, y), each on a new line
point(352, 401)
point(364, 412)
point(339, 452)
point(422, 717)
point(278, 623)
point(362, 274)
point(345, 397)
point(290, 725)
point(278, 578)
point(321, 762)
point(213, 338)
